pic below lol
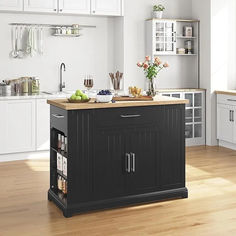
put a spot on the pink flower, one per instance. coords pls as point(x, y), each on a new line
point(166, 65)
point(140, 64)
point(145, 65)
point(147, 58)
point(157, 61)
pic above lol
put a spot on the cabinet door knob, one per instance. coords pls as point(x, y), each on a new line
point(127, 162)
point(60, 10)
point(94, 11)
point(54, 9)
point(133, 162)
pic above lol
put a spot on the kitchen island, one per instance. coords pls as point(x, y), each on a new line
point(118, 154)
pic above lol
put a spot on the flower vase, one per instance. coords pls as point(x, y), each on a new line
point(151, 88)
point(157, 14)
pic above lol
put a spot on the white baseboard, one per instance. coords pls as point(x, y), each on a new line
point(227, 145)
point(24, 156)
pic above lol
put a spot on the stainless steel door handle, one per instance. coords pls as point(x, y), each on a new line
point(58, 116)
point(231, 100)
point(129, 116)
point(133, 162)
point(232, 116)
point(127, 163)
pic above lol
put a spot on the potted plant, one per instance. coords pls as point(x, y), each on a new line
point(151, 69)
point(158, 11)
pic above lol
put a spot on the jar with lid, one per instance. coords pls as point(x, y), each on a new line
point(25, 85)
point(35, 85)
point(75, 29)
point(68, 30)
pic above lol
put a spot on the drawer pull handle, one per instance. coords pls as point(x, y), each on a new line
point(130, 116)
point(231, 100)
point(58, 116)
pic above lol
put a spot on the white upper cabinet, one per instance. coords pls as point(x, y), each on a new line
point(74, 6)
point(107, 7)
point(41, 6)
point(11, 5)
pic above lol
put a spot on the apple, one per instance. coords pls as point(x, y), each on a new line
point(79, 93)
point(73, 97)
point(78, 98)
point(84, 97)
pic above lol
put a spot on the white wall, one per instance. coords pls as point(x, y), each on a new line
point(90, 54)
point(218, 53)
point(116, 44)
point(178, 75)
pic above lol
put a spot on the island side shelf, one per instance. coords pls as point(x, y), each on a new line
point(119, 156)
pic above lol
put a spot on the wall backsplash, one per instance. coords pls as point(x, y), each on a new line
point(116, 44)
point(90, 54)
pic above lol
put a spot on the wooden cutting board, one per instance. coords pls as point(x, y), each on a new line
point(126, 98)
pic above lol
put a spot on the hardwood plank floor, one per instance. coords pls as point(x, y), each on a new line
point(209, 210)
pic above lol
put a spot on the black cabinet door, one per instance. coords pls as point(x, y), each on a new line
point(109, 163)
point(143, 145)
point(172, 169)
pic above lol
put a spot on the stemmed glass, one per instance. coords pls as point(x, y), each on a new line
point(88, 82)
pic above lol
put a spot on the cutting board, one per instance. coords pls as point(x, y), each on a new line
point(126, 98)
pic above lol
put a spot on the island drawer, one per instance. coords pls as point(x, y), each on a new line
point(123, 116)
point(58, 119)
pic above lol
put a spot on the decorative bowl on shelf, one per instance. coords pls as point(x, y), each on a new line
point(104, 98)
point(78, 101)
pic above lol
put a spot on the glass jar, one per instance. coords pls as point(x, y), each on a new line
point(35, 85)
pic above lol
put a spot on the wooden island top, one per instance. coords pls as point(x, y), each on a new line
point(158, 100)
point(226, 92)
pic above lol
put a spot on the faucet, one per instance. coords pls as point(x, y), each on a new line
point(62, 83)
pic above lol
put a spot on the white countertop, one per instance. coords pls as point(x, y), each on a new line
point(34, 96)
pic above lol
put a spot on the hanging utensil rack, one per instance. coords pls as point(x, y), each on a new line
point(52, 26)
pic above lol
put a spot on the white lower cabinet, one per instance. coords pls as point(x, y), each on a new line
point(17, 125)
point(226, 120)
point(42, 125)
point(225, 123)
point(11, 5)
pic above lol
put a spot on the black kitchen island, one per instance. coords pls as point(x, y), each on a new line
point(117, 154)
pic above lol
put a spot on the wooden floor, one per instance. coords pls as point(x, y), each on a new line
point(209, 210)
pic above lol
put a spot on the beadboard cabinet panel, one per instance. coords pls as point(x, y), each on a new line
point(119, 156)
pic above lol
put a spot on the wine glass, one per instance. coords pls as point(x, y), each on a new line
point(88, 82)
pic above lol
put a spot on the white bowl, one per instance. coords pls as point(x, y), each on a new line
point(104, 98)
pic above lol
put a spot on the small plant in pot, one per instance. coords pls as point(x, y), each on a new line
point(158, 11)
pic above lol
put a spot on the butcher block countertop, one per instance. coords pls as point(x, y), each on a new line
point(158, 100)
point(226, 92)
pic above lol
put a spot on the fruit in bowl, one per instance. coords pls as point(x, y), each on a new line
point(104, 96)
point(78, 97)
